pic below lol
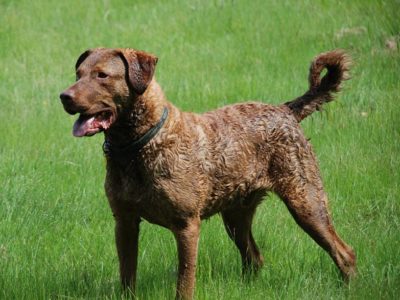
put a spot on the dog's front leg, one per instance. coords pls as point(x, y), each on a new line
point(127, 236)
point(187, 239)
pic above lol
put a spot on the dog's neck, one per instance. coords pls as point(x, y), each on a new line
point(145, 113)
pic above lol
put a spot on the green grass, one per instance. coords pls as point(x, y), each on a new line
point(56, 230)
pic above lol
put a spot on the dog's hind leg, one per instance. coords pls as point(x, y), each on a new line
point(298, 183)
point(237, 223)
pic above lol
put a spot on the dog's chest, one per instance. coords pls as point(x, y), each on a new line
point(123, 190)
point(131, 192)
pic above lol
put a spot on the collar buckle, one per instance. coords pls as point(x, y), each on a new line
point(106, 148)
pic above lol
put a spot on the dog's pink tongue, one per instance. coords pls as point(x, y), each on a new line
point(82, 126)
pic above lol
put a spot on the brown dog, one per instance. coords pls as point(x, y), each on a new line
point(175, 169)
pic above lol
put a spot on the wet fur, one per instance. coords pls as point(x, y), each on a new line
point(223, 161)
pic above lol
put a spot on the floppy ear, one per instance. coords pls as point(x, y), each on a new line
point(82, 57)
point(141, 66)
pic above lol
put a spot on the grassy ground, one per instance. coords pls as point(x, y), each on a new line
point(56, 230)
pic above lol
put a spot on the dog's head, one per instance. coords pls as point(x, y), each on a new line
point(108, 80)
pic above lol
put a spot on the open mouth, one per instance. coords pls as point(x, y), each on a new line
point(88, 125)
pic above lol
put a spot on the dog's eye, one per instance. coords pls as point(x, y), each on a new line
point(102, 75)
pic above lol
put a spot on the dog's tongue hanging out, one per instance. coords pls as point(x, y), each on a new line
point(90, 125)
point(83, 126)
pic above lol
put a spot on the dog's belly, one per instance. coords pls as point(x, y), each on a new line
point(241, 191)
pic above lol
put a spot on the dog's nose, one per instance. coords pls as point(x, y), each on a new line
point(66, 97)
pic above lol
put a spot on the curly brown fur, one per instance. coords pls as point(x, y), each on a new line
point(321, 91)
point(222, 161)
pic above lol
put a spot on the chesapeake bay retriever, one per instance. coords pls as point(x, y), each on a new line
point(174, 168)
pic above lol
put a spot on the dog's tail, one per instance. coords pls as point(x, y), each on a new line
point(337, 63)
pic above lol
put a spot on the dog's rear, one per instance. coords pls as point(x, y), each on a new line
point(321, 91)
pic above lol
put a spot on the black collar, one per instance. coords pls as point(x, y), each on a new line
point(129, 150)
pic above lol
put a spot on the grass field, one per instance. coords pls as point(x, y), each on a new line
point(56, 229)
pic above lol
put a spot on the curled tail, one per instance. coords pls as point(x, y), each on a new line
point(337, 63)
